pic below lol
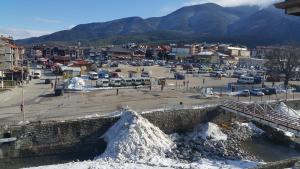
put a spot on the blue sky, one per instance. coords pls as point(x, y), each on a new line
point(26, 18)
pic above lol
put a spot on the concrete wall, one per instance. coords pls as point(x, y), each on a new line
point(37, 139)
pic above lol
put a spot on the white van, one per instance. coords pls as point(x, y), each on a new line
point(93, 75)
point(102, 83)
point(37, 74)
point(246, 80)
point(136, 81)
point(126, 82)
point(146, 81)
point(115, 82)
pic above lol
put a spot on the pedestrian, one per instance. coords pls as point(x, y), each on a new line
point(187, 84)
point(150, 87)
point(273, 83)
point(117, 91)
point(51, 85)
point(21, 107)
point(203, 81)
point(184, 83)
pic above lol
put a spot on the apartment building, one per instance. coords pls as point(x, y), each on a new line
point(10, 54)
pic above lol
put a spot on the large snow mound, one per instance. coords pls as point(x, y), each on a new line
point(134, 138)
point(209, 131)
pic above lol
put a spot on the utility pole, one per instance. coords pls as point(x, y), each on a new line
point(22, 76)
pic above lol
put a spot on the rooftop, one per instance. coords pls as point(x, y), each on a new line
point(291, 7)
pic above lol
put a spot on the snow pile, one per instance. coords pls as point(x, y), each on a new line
point(134, 138)
point(209, 131)
point(76, 83)
point(253, 127)
point(284, 109)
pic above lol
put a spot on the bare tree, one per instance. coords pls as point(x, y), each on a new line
point(283, 60)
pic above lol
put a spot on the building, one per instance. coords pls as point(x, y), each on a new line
point(207, 57)
point(260, 52)
point(248, 62)
point(123, 53)
point(235, 51)
point(187, 50)
point(291, 7)
point(10, 54)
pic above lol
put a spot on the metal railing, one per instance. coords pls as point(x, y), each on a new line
point(264, 111)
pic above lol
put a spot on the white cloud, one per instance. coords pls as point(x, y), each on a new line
point(45, 20)
point(167, 10)
point(17, 33)
point(230, 3)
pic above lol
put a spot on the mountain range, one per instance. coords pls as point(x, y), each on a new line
point(209, 22)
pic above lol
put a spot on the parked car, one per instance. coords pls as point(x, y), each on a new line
point(47, 81)
point(145, 81)
point(136, 81)
point(126, 82)
point(145, 74)
point(269, 91)
point(187, 66)
point(115, 82)
point(246, 80)
point(113, 64)
point(102, 83)
point(244, 93)
point(93, 75)
point(37, 74)
point(118, 70)
point(114, 75)
point(179, 76)
point(256, 92)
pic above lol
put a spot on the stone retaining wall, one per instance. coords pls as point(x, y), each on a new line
point(289, 163)
point(38, 138)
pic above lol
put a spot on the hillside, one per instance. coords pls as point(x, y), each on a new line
point(205, 22)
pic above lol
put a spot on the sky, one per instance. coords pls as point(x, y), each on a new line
point(30, 18)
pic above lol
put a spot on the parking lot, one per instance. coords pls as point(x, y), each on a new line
point(42, 105)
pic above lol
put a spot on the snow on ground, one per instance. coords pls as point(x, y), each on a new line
point(162, 163)
point(284, 109)
point(252, 127)
point(286, 133)
point(209, 131)
point(135, 143)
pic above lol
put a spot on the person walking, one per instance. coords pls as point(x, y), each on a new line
point(187, 84)
point(22, 107)
point(117, 91)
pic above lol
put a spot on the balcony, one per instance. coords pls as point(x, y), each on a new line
point(291, 7)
